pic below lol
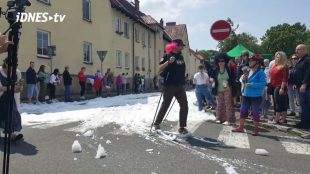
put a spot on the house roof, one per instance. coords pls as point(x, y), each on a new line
point(128, 9)
point(176, 31)
point(146, 20)
point(196, 55)
point(149, 19)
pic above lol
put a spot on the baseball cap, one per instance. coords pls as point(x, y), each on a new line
point(179, 42)
point(256, 57)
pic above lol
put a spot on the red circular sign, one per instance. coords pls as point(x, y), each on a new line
point(220, 30)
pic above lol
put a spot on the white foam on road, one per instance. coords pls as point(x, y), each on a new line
point(295, 147)
point(229, 169)
point(239, 140)
point(133, 113)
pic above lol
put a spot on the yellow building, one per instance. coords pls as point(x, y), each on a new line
point(133, 40)
point(195, 60)
point(180, 32)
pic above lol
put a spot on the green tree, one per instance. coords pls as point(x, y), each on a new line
point(245, 39)
point(285, 37)
point(208, 54)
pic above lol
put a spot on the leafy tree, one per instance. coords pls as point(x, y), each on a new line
point(245, 39)
point(208, 55)
point(285, 37)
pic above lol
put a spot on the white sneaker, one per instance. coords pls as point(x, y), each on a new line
point(218, 121)
point(225, 123)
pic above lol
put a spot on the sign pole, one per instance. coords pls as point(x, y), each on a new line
point(102, 55)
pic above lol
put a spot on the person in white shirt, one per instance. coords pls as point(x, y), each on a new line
point(202, 80)
point(54, 80)
point(266, 97)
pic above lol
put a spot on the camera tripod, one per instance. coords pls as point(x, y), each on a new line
point(14, 7)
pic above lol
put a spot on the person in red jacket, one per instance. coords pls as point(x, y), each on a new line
point(118, 83)
point(82, 82)
point(98, 83)
point(278, 81)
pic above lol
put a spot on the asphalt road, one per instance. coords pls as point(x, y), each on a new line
point(48, 151)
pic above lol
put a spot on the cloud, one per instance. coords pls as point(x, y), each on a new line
point(172, 10)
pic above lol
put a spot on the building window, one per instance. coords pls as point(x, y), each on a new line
point(137, 35)
point(87, 52)
point(149, 40)
point(43, 41)
point(118, 59)
point(143, 38)
point(87, 10)
point(143, 63)
point(127, 60)
point(126, 29)
point(118, 26)
point(45, 1)
point(160, 35)
point(137, 63)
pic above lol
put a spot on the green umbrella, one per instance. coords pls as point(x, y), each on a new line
point(237, 51)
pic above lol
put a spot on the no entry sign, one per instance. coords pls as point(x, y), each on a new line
point(220, 30)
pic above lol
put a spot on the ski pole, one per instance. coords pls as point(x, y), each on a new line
point(169, 109)
point(161, 95)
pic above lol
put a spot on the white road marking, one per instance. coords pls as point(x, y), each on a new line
point(239, 140)
point(192, 126)
point(295, 147)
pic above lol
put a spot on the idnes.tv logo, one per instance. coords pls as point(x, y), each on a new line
point(40, 17)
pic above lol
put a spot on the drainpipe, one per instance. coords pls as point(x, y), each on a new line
point(155, 58)
point(133, 54)
point(149, 55)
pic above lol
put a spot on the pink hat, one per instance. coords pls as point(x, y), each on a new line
point(170, 47)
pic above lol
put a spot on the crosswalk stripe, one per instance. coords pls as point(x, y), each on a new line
point(239, 140)
point(192, 126)
point(295, 147)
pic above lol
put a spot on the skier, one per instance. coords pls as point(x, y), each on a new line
point(172, 69)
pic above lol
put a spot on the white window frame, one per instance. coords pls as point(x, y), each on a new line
point(118, 25)
point(119, 59)
point(89, 10)
point(45, 1)
point(42, 43)
point(127, 60)
point(149, 38)
point(126, 29)
point(143, 38)
point(87, 49)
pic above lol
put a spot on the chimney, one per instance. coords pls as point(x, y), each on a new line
point(161, 22)
point(171, 23)
point(137, 4)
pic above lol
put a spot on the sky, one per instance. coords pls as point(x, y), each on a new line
point(253, 16)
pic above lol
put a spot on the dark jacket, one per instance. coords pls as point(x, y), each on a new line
point(174, 74)
point(231, 81)
point(301, 72)
point(31, 76)
point(67, 78)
